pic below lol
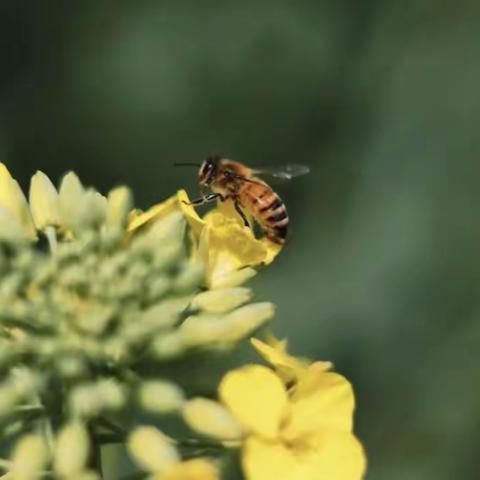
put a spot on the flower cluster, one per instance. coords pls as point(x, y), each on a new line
point(97, 298)
point(294, 422)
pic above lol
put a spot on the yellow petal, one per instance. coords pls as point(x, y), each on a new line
point(13, 199)
point(211, 418)
point(331, 455)
point(153, 214)
point(191, 215)
point(264, 460)
point(287, 366)
point(44, 202)
point(152, 450)
point(178, 202)
point(256, 397)
point(231, 248)
point(227, 210)
point(339, 454)
point(322, 400)
point(196, 469)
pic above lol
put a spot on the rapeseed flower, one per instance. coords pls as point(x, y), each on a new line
point(229, 250)
point(97, 298)
point(92, 292)
point(302, 432)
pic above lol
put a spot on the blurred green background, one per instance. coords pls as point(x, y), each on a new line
point(381, 98)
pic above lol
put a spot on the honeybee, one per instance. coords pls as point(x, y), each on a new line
point(228, 179)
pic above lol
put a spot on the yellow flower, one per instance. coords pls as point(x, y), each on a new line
point(155, 453)
point(289, 368)
point(301, 433)
point(14, 202)
point(229, 250)
point(304, 435)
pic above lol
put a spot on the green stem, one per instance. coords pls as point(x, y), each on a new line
point(45, 426)
point(29, 409)
point(113, 427)
point(51, 235)
point(48, 434)
point(194, 443)
point(106, 438)
point(96, 453)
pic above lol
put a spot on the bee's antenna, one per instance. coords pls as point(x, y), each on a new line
point(186, 164)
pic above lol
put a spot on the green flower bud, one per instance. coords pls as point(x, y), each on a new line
point(212, 419)
point(72, 450)
point(152, 450)
point(208, 329)
point(119, 205)
point(167, 346)
point(14, 201)
point(44, 202)
point(221, 300)
point(29, 458)
point(160, 396)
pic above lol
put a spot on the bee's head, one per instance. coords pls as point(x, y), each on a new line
point(208, 170)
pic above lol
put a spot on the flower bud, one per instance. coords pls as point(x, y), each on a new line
point(222, 300)
point(13, 199)
point(72, 450)
point(71, 199)
point(111, 394)
point(160, 396)
point(152, 450)
point(29, 458)
point(207, 329)
point(211, 418)
point(44, 202)
point(120, 203)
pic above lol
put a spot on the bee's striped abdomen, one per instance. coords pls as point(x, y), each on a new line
point(272, 216)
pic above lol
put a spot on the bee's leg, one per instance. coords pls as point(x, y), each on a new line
point(239, 210)
point(202, 200)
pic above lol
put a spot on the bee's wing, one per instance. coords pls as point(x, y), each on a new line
point(284, 172)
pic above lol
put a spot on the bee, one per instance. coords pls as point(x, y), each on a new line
point(231, 180)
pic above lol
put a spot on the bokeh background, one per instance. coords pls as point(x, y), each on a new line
point(381, 98)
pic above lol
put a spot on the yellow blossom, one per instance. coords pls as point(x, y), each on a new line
point(14, 201)
point(289, 368)
point(156, 453)
point(308, 434)
point(301, 433)
point(229, 250)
